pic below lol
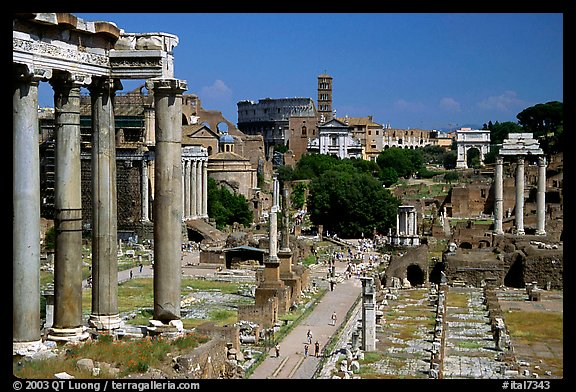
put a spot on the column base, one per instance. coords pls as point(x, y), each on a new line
point(520, 232)
point(174, 328)
point(27, 348)
point(102, 322)
point(540, 232)
point(67, 334)
point(499, 232)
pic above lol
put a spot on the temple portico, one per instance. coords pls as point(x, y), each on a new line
point(195, 180)
point(406, 227)
point(521, 146)
point(46, 47)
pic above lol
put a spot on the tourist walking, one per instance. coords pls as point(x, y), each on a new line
point(316, 349)
point(309, 337)
point(306, 349)
point(277, 350)
point(333, 318)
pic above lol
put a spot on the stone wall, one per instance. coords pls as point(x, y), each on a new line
point(259, 314)
point(129, 201)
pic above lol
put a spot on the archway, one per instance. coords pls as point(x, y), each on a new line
point(515, 275)
point(415, 275)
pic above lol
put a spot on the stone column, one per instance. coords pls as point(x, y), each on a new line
point(145, 200)
point(520, 196)
point(498, 195)
point(26, 212)
point(68, 209)
point(205, 188)
point(104, 207)
point(368, 314)
point(187, 189)
point(194, 190)
point(168, 197)
point(199, 188)
point(541, 197)
point(273, 235)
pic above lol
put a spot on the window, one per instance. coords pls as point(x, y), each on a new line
point(303, 130)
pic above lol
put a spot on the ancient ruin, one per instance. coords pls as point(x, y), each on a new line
point(71, 53)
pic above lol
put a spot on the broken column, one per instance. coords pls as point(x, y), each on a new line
point(272, 287)
point(498, 196)
point(104, 207)
point(289, 277)
point(368, 314)
point(167, 211)
point(68, 324)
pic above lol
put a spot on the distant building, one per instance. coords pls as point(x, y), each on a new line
point(270, 118)
point(467, 138)
point(335, 138)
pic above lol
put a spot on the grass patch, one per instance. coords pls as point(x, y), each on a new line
point(130, 356)
point(469, 344)
point(535, 326)
point(458, 300)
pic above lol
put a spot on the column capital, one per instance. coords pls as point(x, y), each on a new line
point(166, 86)
point(70, 80)
point(102, 84)
point(541, 160)
point(520, 159)
point(25, 72)
point(499, 159)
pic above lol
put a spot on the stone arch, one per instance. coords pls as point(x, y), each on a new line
point(515, 275)
point(185, 119)
point(415, 275)
point(465, 245)
point(483, 244)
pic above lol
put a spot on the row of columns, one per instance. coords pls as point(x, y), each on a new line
point(195, 190)
point(519, 185)
point(406, 221)
point(67, 323)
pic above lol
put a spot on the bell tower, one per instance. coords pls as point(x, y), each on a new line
point(324, 98)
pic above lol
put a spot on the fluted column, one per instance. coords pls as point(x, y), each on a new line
point(498, 195)
point(104, 207)
point(26, 211)
point(167, 197)
point(199, 188)
point(205, 188)
point(68, 209)
point(186, 189)
point(541, 197)
point(520, 196)
point(194, 190)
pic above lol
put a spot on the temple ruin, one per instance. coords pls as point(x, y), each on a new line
point(71, 53)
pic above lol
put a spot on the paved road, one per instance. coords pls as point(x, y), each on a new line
point(292, 364)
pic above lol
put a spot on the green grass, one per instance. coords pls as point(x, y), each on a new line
point(129, 356)
point(535, 326)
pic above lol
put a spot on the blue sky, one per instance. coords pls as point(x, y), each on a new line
point(412, 70)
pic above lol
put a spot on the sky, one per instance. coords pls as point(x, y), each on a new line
point(408, 70)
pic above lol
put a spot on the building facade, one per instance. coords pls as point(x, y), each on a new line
point(335, 138)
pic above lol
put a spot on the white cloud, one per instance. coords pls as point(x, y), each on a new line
point(404, 105)
point(505, 102)
point(449, 104)
point(217, 91)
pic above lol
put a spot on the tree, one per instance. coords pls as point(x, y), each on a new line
point(226, 207)
point(404, 161)
point(500, 131)
point(546, 122)
point(351, 203)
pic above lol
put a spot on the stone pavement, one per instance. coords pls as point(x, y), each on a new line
point(292, 364)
